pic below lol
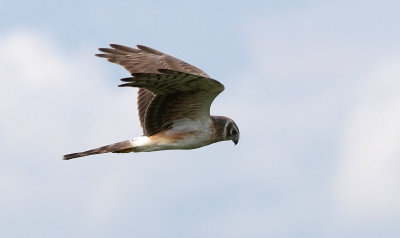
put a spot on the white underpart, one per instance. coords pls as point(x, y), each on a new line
point(188, 125)
point(198, 134)
point(140, 141)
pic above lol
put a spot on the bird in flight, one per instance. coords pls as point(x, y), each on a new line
point(174, 101)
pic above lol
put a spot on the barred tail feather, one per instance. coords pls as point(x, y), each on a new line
point(120, 147)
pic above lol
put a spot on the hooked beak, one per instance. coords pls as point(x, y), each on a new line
point(235, 140)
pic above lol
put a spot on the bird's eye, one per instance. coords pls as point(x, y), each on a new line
point(234, 132)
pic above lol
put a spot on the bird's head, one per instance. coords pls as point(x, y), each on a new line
point(231, 131)
point(226, 129)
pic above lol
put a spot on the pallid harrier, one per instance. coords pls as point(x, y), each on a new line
point(174, 102)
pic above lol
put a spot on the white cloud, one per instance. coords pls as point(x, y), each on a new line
point(327, 83)
point(43, 87)
point(369, 181)
point(49, 99)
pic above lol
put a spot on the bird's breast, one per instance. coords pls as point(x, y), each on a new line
point(183, 134)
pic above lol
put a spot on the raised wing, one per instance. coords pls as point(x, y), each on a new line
point(177, 95)
point(146, 60)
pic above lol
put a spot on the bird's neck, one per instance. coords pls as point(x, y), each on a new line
point(219, 123)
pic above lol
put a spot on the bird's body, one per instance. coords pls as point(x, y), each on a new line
point(183, 134)
point(174, 102)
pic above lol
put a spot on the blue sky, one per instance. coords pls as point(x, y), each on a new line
point(312, 85)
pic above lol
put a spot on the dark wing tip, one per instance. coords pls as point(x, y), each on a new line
point(115, 45)
point(102, 55)
point(126, 85)
point(105, 50)
point(130, 79)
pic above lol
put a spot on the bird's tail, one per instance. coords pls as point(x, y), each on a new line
point(119, 147)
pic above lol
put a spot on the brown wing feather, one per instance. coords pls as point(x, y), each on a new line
point(144, 99)
point(146, 60)
point(177, 95)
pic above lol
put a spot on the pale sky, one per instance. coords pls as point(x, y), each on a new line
point(313, 86)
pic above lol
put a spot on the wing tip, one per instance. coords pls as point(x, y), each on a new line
point(129, 79)
point(101, 55)
point(124, 48)
point(114, 45)
point(126, 85)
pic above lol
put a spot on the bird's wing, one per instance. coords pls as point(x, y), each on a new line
point(146, 60)
point(177, 95)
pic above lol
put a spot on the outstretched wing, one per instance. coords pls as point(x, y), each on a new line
point(146, 60)
point(178, 95)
